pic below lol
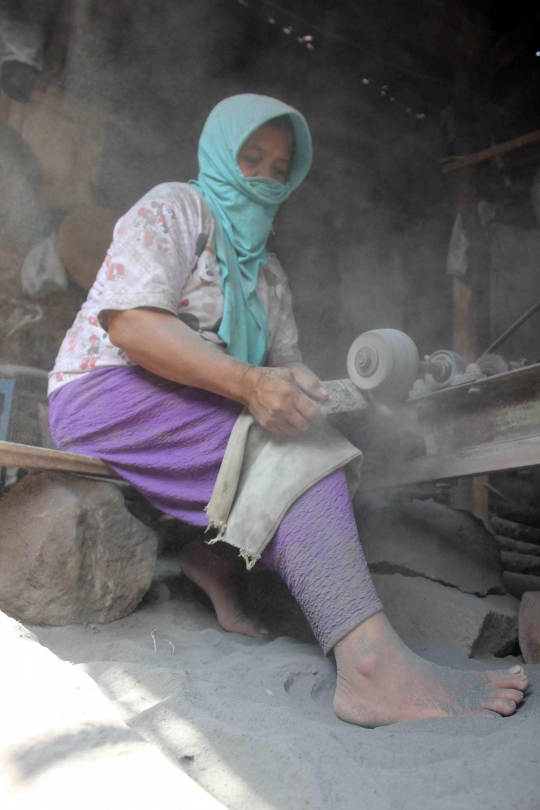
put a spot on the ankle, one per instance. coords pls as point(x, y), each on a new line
point(364, 665)
point(369, 646)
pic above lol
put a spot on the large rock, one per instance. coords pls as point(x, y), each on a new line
point(529, 627)
point(428, 539)
point(70, 552)
point(418, 608)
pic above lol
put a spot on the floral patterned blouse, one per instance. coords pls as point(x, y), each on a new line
point(163, 256)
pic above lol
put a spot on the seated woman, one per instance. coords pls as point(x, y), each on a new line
point(190, 321)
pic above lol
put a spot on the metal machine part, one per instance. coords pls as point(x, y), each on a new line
point(444, 369)
point(442, 366)
point(23, 409)
point(491, 364)
point(511, 329)
point(385, 361)
point(467, 430)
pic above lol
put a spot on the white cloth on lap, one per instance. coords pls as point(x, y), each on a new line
point(262, 475)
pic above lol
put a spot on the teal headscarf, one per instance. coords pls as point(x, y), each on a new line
point(243, 210)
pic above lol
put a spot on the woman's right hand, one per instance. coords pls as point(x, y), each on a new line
point(276, 398)
point(164, 345)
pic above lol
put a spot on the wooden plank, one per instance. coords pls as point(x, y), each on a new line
point(459, 162)
point(479, 460)
point(41, 458)
point(465, 332)
point(56, 53)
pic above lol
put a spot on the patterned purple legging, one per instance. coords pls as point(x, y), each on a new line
point(168, 441)
point(317, 553)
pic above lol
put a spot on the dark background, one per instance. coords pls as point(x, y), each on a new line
point(365, 240)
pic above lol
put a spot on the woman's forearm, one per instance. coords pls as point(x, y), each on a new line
point(164, 345)
point(280, 399)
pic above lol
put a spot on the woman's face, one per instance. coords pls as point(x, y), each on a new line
point(266, 153)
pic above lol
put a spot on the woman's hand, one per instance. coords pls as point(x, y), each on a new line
point(276, 398)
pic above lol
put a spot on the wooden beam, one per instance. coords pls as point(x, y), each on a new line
point(459, 162)
point(41, 458)
point(472, 495)
point(465, 316)
point(56, 53)
point(471, 292)
point(479, 460)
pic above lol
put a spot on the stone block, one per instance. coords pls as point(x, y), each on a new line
point(420, 609)
point(529, 627)
point(425, 538)
point(518, 584)
point(521, 563)
point(517, 546)
point(71, 552)
point(517, 531)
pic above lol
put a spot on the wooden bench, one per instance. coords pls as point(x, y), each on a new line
point(41, 458)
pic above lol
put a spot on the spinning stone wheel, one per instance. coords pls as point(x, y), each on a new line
point(384, 361)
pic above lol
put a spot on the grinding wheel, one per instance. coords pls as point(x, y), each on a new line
point(385, 361)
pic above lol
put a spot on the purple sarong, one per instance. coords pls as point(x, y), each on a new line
point(168, 440)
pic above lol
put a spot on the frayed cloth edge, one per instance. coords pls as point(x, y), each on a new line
point(220, 525)
point(249, 558)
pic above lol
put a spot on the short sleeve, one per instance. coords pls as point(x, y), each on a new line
point(152, 253)
point(284, 345)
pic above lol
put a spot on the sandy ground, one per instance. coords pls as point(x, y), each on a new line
point(252, 721)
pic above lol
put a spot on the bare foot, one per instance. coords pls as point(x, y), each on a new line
point(218, 579)
point(380, 681)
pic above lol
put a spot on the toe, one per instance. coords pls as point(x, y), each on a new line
point(248, 629)
point(513, 695)
point(506, 679)
point(517, 670)
point(504, 707)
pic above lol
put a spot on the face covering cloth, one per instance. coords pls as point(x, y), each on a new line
point(243, 209)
